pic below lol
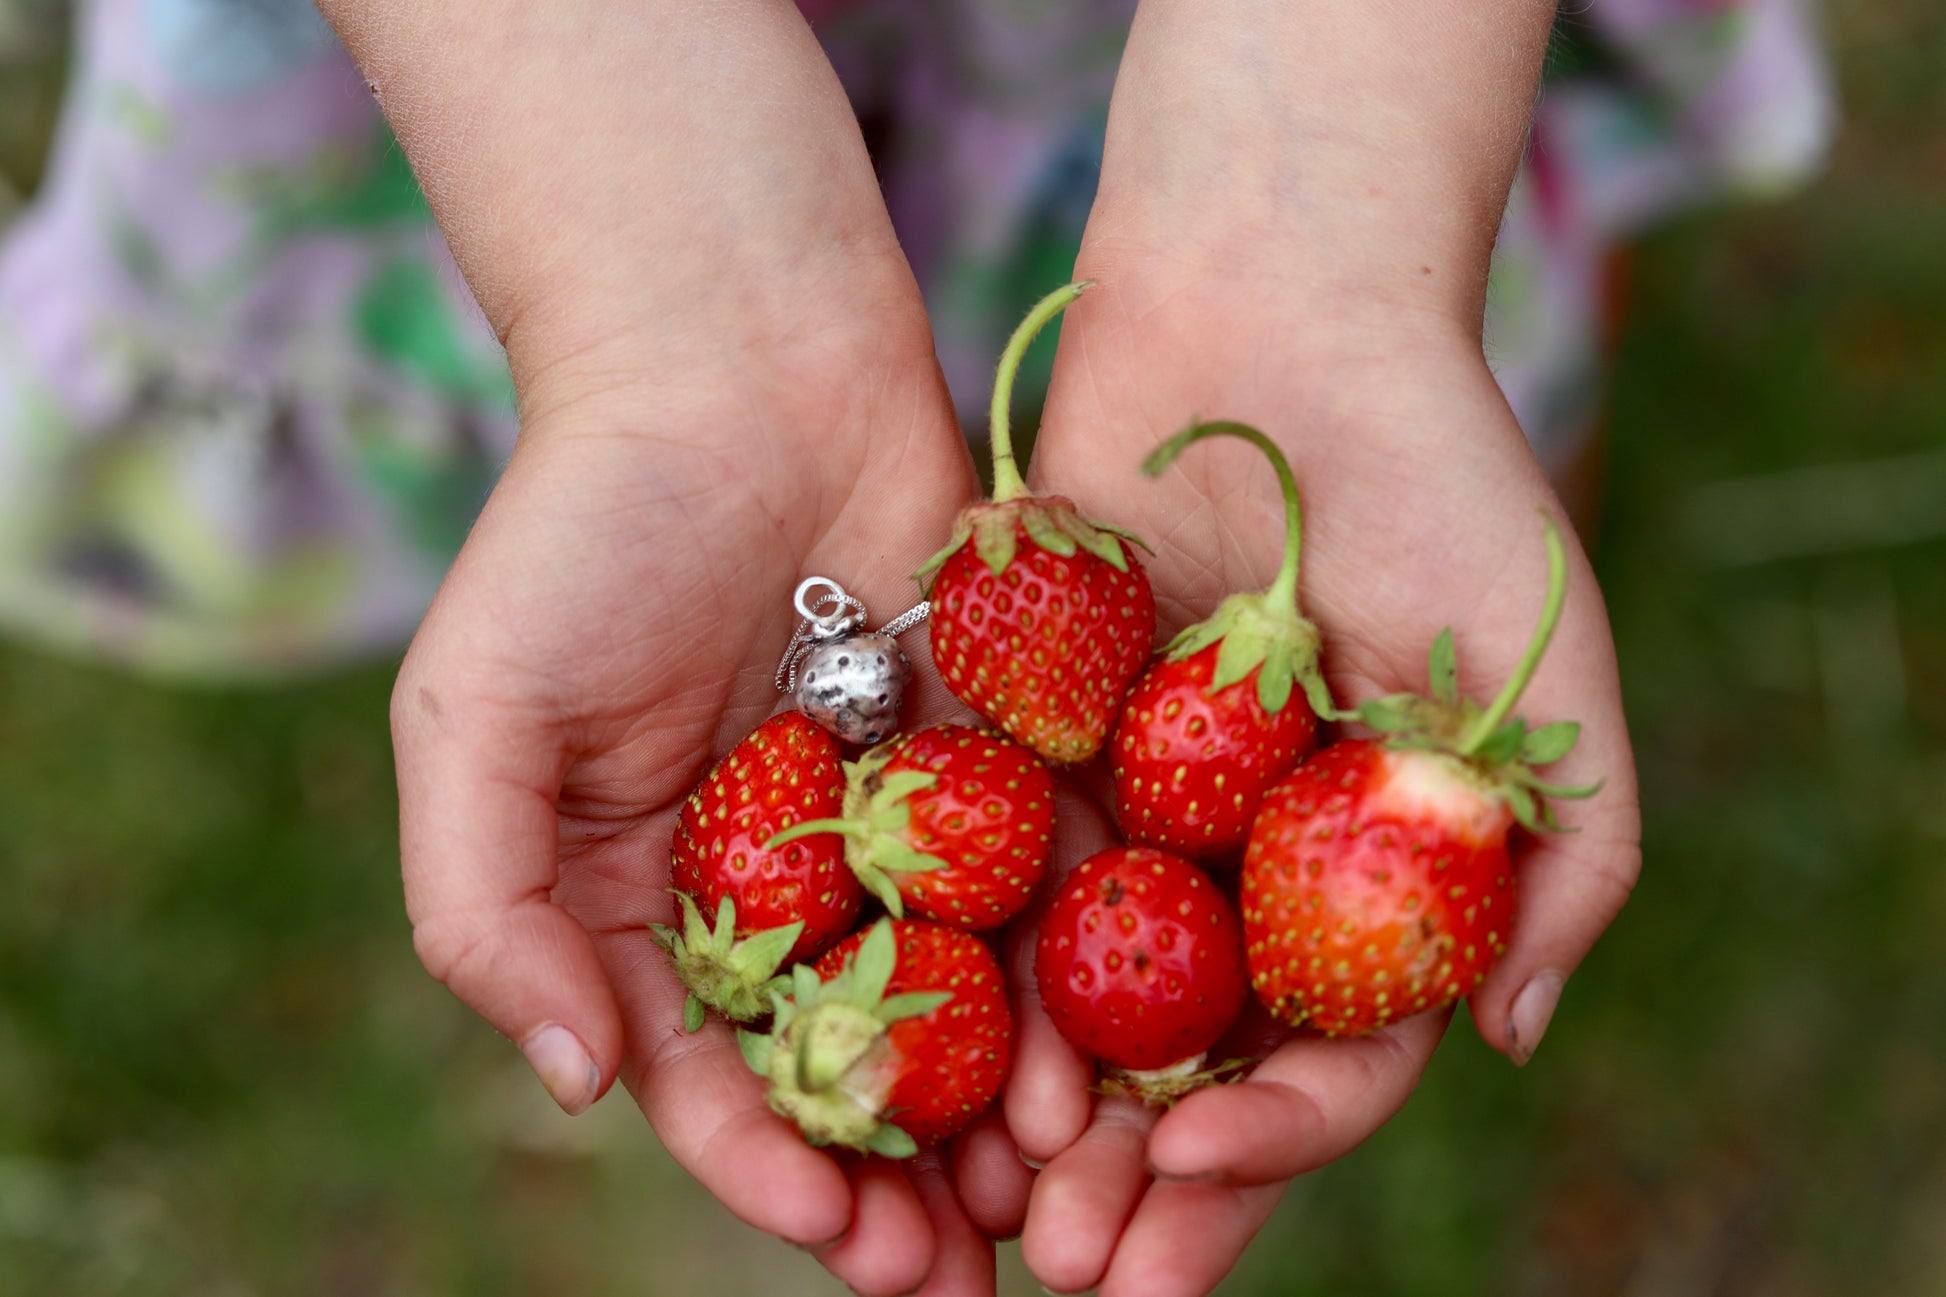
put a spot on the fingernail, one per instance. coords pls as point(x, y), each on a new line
point(1038, 1166)
point(1054, 1293)
point(564, 1066)
point(818, 1249)
point(1533, 1010)
point(1200, 1177)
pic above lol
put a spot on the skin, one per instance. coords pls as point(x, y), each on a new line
point(726, 382)
point(1350, 333)
point(711, 408)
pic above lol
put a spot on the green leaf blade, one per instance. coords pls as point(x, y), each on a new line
point(755, 1050)
point(889, 1141)
point(912, 1004)
point(1550, 742)
point(878, 957)
point(1442, 668)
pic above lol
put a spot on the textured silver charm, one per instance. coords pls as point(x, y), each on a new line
point(844, 677)
point(853, 684)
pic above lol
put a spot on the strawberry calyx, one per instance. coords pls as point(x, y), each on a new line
point(1262, 632)
point(1051, 522)
point(877, 813)
point(734, 977)
point(1162, 1087)
point(828, 1058)
point(1488, 748)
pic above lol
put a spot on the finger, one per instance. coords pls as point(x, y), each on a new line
point(478, 841)
point(708, 1108)
point(993, 1182)
point(963, 1264)
point(1309, 1103)
point(1186, 1237)
point(1568, 893)
point(1568, 886)
point(890, 1247)
point(1084, 1197)
point(1047, 1102)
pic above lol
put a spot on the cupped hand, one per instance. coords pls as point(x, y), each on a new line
point(611, 629)
point(727, 384)
point(1296, 213)
point(1422, 509)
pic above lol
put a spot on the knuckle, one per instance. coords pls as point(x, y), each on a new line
point(449, 945)
point(414, 704)
point(1617, 872)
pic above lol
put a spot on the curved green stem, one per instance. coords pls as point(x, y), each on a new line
point(1557, 592)
point(1283, 590)
point(1007, 481)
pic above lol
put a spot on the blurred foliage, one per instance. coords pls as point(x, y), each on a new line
point(221, 1071)
point(31, 64)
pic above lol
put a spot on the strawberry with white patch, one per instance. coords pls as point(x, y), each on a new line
point(1377, 883)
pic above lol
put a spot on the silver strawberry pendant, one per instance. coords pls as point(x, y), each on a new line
point(853, 685)
point(847, 679)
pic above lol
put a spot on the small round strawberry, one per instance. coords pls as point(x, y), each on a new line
point(785, 771)
point(1376, 883)
point(1140, 964)
point(1217, 719)
point(1040, 617)
point(949, 823)
point(899, 1038)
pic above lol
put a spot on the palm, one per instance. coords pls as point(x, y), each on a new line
point(612, 627)
point(1421, 502)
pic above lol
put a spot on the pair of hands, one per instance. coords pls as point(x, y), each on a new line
point(742, 391)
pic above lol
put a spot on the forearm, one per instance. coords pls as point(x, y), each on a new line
point(651, 183)
point(1361, 146)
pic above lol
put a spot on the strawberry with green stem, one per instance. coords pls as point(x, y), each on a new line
point(948, 823)
point(785, 771)
point(1229, 707)
point(899, 1038)
point(1377, 882)
point(1040, 617)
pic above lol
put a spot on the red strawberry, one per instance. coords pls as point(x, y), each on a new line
point(1376, 884)
point(1040, 617)
point(948, 823)
point(1140, 963)
point(899, 1037)
point(787, 770)
point(1214, 721)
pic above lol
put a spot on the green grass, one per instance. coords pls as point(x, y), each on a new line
point(221, 1070)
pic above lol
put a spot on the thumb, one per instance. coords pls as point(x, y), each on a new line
point(479, 843)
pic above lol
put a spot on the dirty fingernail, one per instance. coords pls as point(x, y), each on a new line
point(1533, 1010)
point(564, 1066)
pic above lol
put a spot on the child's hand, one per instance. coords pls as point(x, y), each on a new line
point(1420, 513)
point(610, 628)
point(727, 383)
point(1296, 212)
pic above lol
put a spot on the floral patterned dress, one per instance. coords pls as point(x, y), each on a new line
point(248, 410)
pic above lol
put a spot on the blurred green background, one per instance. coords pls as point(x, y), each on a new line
point(222, 1072)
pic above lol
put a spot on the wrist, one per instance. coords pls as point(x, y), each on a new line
point(796, 417)
point(632, 187)
point(1357, 155)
